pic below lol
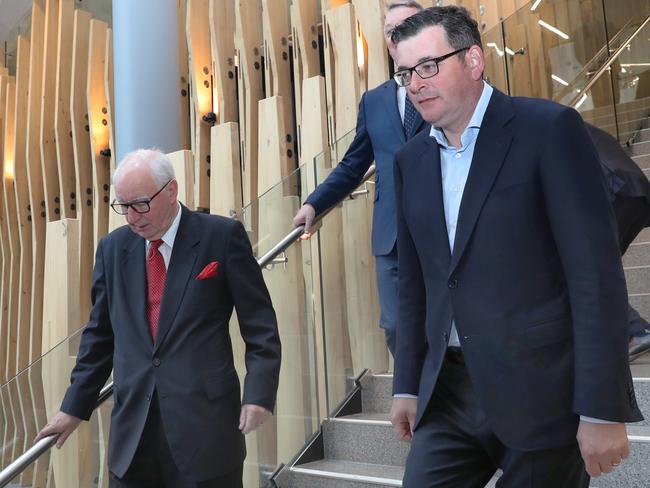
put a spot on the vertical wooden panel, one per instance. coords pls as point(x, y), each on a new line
point(225, 187)
point(62, 124)
point(183, 163)
point(47, 113)
point(371, 18)
point(342, 74)
point(200, 67)
point(184, 76)
point(306, 62)
point(34, 170)
point(248, 41)
point(110, 95)
point(222, 40)
point(82, 155)
point(278, 78)
point(99, 132)
point(272, 143)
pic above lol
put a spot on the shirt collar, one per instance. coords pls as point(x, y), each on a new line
point(170, 236)
point(474, 122)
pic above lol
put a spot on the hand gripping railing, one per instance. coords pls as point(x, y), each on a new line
point(43, 445)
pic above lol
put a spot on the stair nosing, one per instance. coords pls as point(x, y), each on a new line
point(375, 480)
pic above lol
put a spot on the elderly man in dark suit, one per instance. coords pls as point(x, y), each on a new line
point(629, 191)
point(386, 120)
point(164, 288)
point(511, 339)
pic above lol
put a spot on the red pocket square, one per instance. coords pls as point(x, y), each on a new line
point(210, 271)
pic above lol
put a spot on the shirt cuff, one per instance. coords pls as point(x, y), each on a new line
point(596, 421)
point(404, 395)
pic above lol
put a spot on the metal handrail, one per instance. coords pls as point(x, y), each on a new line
point(43, 445)
point(609, 62)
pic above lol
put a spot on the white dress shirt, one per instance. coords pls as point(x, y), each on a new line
point(168, 239)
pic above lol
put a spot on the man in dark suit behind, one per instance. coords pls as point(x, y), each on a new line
point(511, 340)
point(385, 122)
point(629, 191)
point(164, 288)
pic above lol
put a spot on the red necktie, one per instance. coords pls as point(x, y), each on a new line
point(156, 274)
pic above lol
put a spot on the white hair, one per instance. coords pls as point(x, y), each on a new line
point(157, 161)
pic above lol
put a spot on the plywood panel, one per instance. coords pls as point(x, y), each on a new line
point(371, 19)
point(184, 76)
point(183, 163)
point(35, 170)
point(306, 62)
point(342, 73)
point(222, 40)
point(225, 187)
point(278, 77)
point(110, 95)
point(99, 132)
point(198, 44)
point(47, 113)
point(271, 143)
point(62, 124)
point(82, 155)
point(248, 41)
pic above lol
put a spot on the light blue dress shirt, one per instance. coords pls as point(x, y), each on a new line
point(455, 163)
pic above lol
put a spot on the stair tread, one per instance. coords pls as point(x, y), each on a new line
point(364, 417)
point(351, 470)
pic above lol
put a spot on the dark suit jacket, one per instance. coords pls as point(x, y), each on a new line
point(379, 134)
point(623, 176)
point(534, 282)
point(191, 364)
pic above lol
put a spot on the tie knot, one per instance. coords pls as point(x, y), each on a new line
point(154, 245)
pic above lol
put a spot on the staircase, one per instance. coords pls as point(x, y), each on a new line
point(357, 448)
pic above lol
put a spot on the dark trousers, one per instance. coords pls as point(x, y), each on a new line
point(153, 465)
point(631, 218)
point(454, 447)
point(386, 271)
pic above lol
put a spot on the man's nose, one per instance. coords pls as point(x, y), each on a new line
point(416, 83)
point(132, 216)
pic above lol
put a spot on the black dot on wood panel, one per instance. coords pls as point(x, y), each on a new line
point(106, 187)
point(208, 172)
point(256, 51)
point(104, 122)
point(73, 195)
point(43, 214)
point(184, 92)
point(89, 203)
point(29, 208)
point(43, 203)
point(314, 44)
point(207, 158)
point(231, 75)
point(87, 127)
point(257, 65)
point(57, 199)
point(205, 70)
point(73, 206)
point(289, 153)
point(285, 56)
point(29, 218)
point(104, 110)
point(89, 191)
point(289, 138)
point(206, 84)
point(57, 211)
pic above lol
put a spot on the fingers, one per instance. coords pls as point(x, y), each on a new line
point(251, 417)
point(305, 217)
point(603, 446)
point(61, 424)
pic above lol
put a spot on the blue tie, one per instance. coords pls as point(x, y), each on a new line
point(410, 114)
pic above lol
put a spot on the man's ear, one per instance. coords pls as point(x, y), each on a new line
point(476, 61)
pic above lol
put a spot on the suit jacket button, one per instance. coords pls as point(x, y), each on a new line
point(156, 362)
point(452, 283)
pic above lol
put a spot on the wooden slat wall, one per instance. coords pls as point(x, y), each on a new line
point(235, 61)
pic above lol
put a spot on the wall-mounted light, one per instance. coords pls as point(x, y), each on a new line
point(535, 5)
point(496, 48)
point(554, 30)
point(210, 118)
point(361, 58)
point(559, 80)
point(9, 169)
point(581, 101)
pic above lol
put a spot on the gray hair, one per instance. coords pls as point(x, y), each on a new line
point(459, 26)
point(157, 161)
point(404, 3)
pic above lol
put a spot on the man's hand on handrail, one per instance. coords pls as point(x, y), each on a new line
point(63, 424)
point(305, 216)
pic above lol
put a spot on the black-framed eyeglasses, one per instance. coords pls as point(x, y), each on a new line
point(425, 69)
point(138, 206)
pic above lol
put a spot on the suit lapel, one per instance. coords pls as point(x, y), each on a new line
point(432, 180)
point(134, 280)
point(490, 151)
point(179, 272)
point(389, 101)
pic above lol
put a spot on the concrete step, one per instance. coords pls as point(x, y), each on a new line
point(643, 135)
point(329, 473)
point(623, 107)
point(634, 472)
point(638, 254)
point(376, 393)
point(622, 117)
point(363, 438)
point(639, 149)
point(638, 279)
